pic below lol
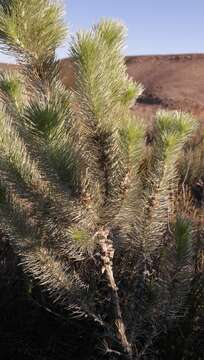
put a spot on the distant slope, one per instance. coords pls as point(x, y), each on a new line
point(4, 66)
point(170, 81)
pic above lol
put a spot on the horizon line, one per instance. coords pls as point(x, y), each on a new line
point(133, 56)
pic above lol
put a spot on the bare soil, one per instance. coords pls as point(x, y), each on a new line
point(170, 81)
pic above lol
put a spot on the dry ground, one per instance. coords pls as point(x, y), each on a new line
point(170, 81)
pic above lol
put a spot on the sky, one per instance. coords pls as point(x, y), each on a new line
point(154, 26)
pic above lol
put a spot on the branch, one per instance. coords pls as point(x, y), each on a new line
point(107, 254)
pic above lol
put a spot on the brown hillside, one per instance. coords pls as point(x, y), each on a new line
point(170, 81)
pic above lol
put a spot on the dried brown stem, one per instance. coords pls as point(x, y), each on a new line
point(107, 254)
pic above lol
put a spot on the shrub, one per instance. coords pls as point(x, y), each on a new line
point(91, 217)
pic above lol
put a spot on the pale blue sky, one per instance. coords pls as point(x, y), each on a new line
point(154, 26)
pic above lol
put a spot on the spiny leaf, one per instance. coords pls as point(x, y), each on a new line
point(174, 128)
point(183, 238)
point(12, 89)
point(32, 28)
point(81, 238)
point(113, 32)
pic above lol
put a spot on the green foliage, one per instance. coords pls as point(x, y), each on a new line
point(12, 92)
point(102, 82)
point(81, 239)
point(112, 32)
point(175, 128)
point(10, 85)
point(42, 118)
point(14, 149)
point(33, 28)
point(133, 134)
point(183, 239)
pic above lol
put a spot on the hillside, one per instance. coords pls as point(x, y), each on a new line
point(170, 81)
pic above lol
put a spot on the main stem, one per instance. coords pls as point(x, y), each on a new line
point(107, 253)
